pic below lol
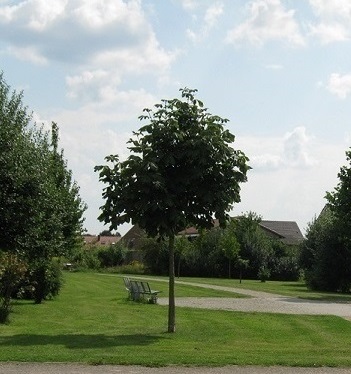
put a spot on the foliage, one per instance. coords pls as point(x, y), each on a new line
point(254, 255)
point(326, 252)
point(112, 255)
point(182, 171)
point(84, 258)
point(134, 267)
point(324, 257)
point(12, 270)
point(40, 207)
point(108, 233)
point(255, 245)
point(155, 256)
point(230, 245)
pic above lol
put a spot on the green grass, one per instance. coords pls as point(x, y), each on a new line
point(92, 321)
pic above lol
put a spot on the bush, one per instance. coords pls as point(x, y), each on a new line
point(86, 259)
point(12, 270)
point(42, 281)
point(135, 267)
point(113, 255)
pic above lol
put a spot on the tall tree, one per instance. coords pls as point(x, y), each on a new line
point(326, 252)
point(40, 207)
point(182, 171)
point(339, 200)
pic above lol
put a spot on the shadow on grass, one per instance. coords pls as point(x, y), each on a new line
point(79, 341)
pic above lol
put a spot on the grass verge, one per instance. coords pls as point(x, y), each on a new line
point(92, 322)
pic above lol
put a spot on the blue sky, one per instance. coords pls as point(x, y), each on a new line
point(279, 70)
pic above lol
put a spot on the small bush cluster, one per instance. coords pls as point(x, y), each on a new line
point(111, 258)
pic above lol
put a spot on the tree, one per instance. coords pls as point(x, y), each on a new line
point(255, 246)
point(40, 207)
point(326, 252)
point(230, 246)
point(324, 257)
point(339, 200)
point(182, 171)
point(108, 233)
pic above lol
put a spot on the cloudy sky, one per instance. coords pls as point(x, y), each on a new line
point(279, 70)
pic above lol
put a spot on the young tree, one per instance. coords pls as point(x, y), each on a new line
point(182, 171)
point(230, 246)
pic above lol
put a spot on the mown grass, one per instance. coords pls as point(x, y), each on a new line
point(92, 321)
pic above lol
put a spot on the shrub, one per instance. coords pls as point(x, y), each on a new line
point(86, 259)
point(113, 255)
point(12, 270)
point(43, 280)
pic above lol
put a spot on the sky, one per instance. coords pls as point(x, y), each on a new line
point(279, 70)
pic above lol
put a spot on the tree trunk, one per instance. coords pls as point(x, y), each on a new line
point(229, 269)
point(171, 302)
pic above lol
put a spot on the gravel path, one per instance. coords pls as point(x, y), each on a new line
point(261, 302)
point(29, 368)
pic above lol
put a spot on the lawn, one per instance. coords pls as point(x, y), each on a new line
point(91, 321)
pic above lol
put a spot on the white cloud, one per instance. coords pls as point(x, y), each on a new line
point(290, 175)
point(81, 31)
point(328, 33)
point(296, 144)
point(189, 4)
point(334, 19)
point(274, 66)
point(339, 85)
point(210, 20)
point(30, 54)
point(288, 151)
point(213, 13)
point(327, 8)
point(268, 21)
point(104, 40)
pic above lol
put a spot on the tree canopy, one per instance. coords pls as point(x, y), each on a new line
point(182, 171)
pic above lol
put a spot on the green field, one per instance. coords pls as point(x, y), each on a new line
point(92, 321)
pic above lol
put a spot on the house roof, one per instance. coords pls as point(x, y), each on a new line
point(288, 231)
point(100, 240)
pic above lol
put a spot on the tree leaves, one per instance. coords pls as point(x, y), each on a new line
point(182, 170)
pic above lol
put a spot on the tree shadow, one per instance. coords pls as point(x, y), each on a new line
point(80, 341)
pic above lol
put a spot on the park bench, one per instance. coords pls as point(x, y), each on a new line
point(139, 290)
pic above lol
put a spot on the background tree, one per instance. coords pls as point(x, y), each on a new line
point(323, 255)
point(182, 171)
point(255, 246)
point(230, 246)
point(326, 252)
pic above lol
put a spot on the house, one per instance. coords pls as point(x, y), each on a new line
point(286, 231)
point(100, 240)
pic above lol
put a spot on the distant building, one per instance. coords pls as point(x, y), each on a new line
point(286, 231)
point(100, 240)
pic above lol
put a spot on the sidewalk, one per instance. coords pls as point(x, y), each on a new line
point(32, 368)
